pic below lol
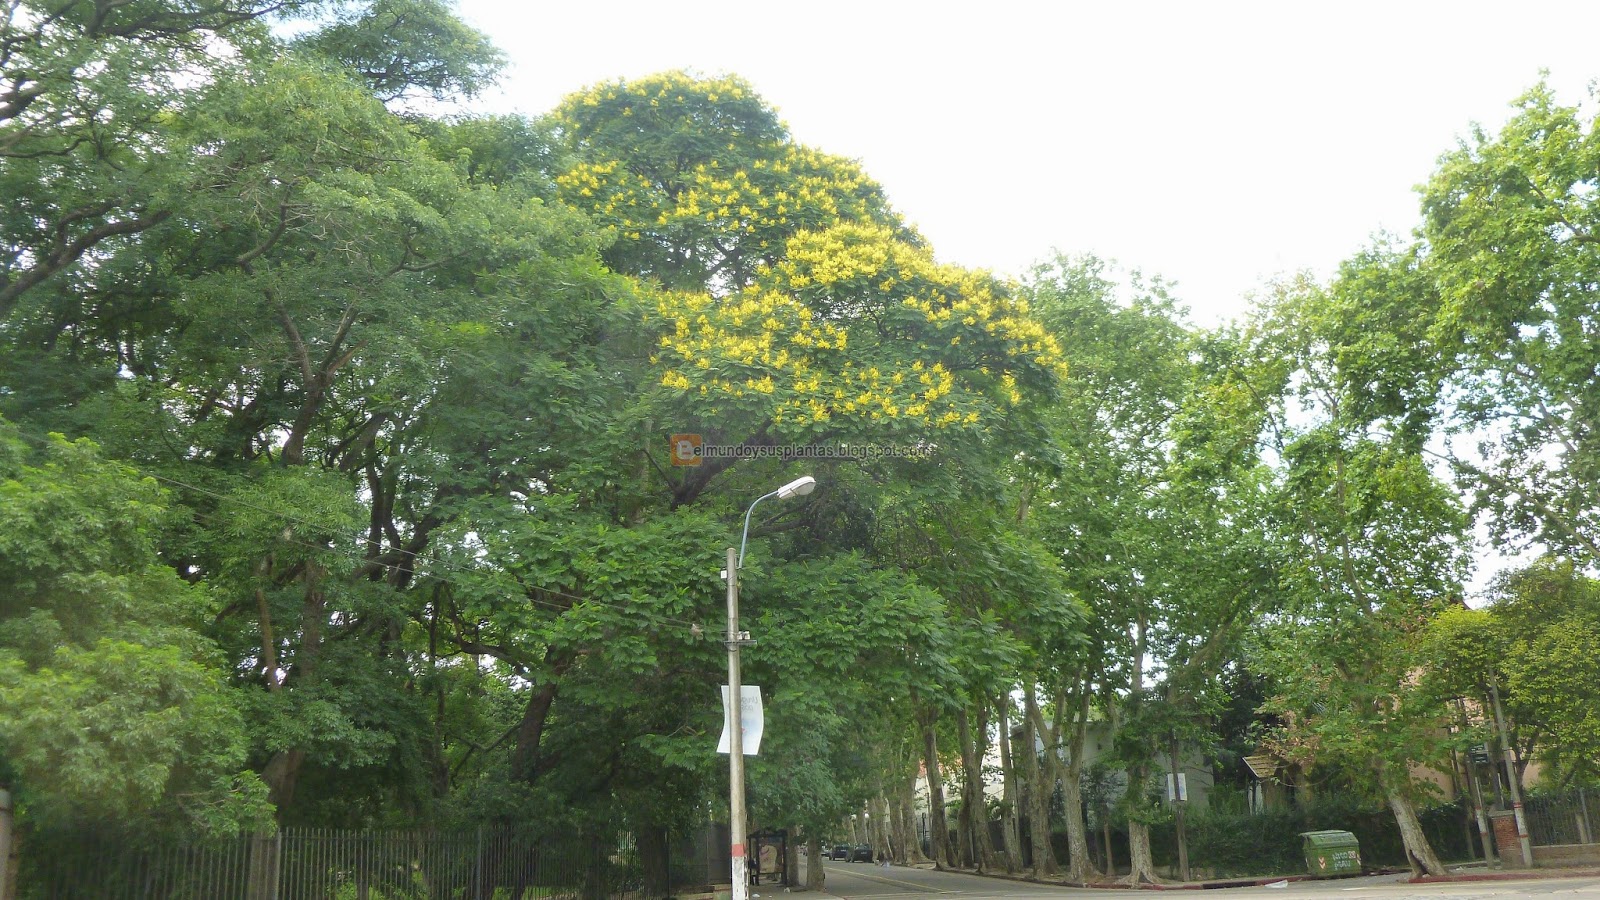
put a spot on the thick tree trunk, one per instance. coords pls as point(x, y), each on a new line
point(530, 732)
point(905, 802)
point(976, 846)
point(882, 833)
point(901, 832)
point(815, 876)
point(282, 771)
point(938, 829)
point(1044, 860)
point(1142, 867)
point(987, 856)
point(964, 850)
point(1080, 868)
point(1419, 853)
point(791, 865)
point(1008, 774)
point(525, 758)
point(652, 843)
point(282, 775)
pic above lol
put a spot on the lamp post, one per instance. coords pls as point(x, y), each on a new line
point(736, 639)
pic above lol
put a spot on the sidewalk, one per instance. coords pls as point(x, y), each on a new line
point(1457, 873)
point(1484, 873)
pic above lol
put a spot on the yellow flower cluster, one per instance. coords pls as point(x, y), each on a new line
point(854, 252)
point(654, 90)
point(617, 196)
point(766, 343)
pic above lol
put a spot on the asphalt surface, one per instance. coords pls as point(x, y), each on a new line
point(864, 881)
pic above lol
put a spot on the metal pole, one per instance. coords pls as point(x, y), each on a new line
point(1470, 767)
point(736, 828)
point(1511, 774)
point(1180, 799)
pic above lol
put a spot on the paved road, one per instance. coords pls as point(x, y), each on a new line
point(861, 881)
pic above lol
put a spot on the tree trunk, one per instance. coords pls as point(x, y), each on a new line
point(963, 851)
point(1008, 774)
point(882, 833)
point(652, 843)
point(1142, 867)
point(525, 756)
point(791, 865)
point(8, 876)
point(815, 876)
point(1105, 829)
point(530, 731)
point(1044, 860)
point(901, 832)
point(282, 775)
point(905, 804)
point(976, 845)
point(987, 857)
point(938, 830)
point(1080, 868)
point(1419, 853)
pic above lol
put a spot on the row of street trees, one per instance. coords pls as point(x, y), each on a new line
point(336, 489)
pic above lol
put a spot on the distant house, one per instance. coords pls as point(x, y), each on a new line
point(1274, 783)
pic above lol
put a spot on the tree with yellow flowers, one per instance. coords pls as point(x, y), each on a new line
point(795, 306)
point(700, 180)
point(790, 307)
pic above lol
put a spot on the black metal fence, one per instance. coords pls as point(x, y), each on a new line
point(1565, 818)
point(326, 864)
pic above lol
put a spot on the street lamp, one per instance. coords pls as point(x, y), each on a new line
point(736, 639)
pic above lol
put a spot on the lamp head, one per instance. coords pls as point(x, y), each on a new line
point(799, 487)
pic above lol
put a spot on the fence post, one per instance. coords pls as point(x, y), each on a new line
point(477, 866)
point(5, 844)
point(1586, 833)
point(265, 865)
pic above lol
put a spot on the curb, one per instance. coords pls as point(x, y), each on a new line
point(1185, 885)
point(1514, 875)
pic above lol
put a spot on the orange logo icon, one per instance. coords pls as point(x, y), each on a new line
point(685, 449)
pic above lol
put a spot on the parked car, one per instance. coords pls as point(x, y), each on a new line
point(861, 853)
point(840, 851)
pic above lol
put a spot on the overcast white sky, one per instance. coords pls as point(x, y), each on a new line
point(1215, 144)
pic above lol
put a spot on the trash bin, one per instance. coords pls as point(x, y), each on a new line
point(1332, 853)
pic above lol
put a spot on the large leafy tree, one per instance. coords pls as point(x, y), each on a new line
point(1373, 544)
point(793, 308)
point(1484, 327)
point(1158, 516)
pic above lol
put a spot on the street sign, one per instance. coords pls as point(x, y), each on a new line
point(749, 714)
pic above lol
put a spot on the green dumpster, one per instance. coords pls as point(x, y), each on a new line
point(1332, 853)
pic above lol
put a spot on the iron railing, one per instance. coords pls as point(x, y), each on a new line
point(1565, 818)
point(326, 864)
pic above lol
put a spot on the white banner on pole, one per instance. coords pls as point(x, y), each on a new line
point(749, 715)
